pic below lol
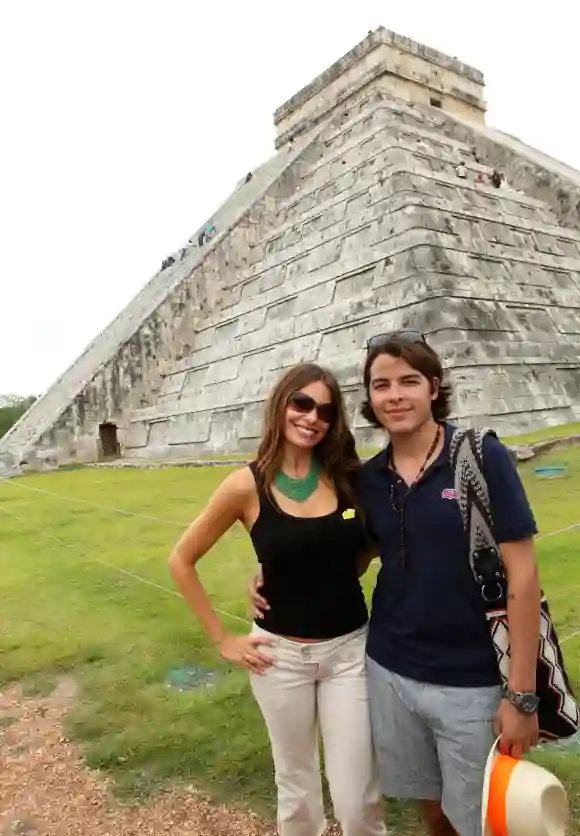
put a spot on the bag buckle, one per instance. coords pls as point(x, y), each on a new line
point(489, 574)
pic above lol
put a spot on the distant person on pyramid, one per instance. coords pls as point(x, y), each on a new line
point(461, 171)
point(479, 179)
point(306, 653)
point(435, 690)
point(497, 179)
point(206, 234)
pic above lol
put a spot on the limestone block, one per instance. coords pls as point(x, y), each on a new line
point(312, 224)
point(325, 254)
point(226, 332)
point(297, 267)
point(344, 339)
point(224, 429)
point(569, 378)
point(332, 216)
point(301, 350)
point(251, 288)
point(137, 434)
point(510, 207)
point(194, 381)
point(223, 370)
point(252, 389)
point(355, 241)
point(348, 369)
point(347, 181)
point(502, 234)
point(158, 434)
point(548, 244)
point(173, 384)
point(274, 245)
point(315, 297)
point(189, 428)
point(566, 321)
point(251, 423)
point(530, 321)
point(354, 207)
point(568, 247)
point(252, 321)
point(355, 285)
point(282, 310)
point(256, 363)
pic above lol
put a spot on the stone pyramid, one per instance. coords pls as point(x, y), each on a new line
point(361, 223)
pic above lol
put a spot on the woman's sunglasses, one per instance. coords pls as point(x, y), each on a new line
point(405, 336)
point(325, 412)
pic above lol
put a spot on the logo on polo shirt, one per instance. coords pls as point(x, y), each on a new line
point(449, 493)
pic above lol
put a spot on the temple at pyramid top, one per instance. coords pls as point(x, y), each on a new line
point(388, 204)
point(389, 62)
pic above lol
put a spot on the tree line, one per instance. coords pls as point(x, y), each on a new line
point(9, 415)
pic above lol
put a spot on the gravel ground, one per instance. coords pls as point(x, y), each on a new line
point(46, 789)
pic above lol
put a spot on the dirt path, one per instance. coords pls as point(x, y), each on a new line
point(46, 789)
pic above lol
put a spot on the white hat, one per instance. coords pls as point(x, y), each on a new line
point(521, 799)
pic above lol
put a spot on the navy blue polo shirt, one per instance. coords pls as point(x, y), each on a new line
point(428, 620)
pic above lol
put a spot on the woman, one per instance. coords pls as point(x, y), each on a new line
point(295, 500)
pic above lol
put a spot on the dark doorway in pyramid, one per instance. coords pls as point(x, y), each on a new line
point(109, 446)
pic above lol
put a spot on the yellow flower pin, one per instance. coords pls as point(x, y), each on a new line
point(348, 514)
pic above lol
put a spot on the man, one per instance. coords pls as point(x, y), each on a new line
point(435, 694)
point(433, 675)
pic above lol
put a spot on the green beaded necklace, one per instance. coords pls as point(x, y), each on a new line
point(299, 489)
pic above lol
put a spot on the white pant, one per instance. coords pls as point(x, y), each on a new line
point(311, 687)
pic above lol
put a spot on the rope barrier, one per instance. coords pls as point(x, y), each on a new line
point(118, 569)
point(137, 515)
point(180, 524)
point(95, 504)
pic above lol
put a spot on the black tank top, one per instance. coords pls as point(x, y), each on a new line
point(309, 565)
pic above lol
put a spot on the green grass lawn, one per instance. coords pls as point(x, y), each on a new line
point(62, 610)
point(545, 434)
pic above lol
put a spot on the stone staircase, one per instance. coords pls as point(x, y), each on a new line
point(46, 411)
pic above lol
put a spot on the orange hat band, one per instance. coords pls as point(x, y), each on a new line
point(501, 774)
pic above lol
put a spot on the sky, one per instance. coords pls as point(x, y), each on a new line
point(125, 123)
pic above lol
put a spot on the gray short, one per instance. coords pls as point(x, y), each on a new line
point(432, 742)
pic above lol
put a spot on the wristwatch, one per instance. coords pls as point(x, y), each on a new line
point(526, 702)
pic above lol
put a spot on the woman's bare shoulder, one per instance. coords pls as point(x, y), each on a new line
point(240, 484)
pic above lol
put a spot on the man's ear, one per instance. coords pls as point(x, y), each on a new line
point(434, 388)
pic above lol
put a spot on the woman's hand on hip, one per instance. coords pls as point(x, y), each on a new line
point(245, 652)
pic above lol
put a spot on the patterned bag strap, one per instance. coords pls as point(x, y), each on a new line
point(466, 454)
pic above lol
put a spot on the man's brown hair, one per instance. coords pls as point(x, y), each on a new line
point(420, 357)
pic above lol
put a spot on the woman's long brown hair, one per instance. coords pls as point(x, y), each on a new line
point(336, 452)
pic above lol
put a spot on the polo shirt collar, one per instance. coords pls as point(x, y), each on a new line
point(441, 459)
